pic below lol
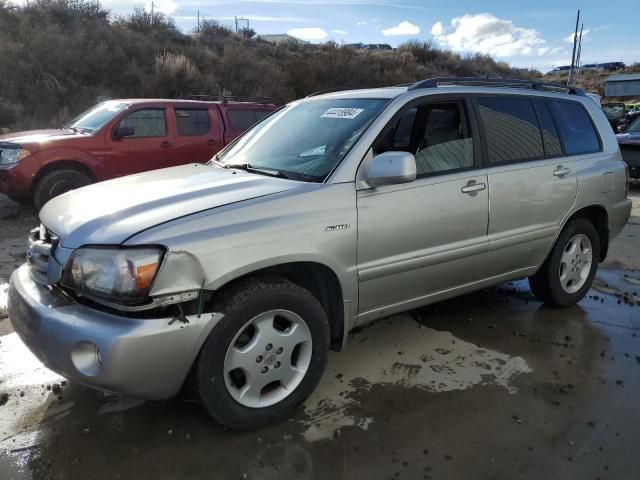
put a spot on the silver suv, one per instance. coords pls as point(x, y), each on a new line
point(236, 277)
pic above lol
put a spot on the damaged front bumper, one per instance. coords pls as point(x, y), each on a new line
point(145, 358)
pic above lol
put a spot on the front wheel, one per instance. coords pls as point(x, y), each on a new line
point(567, 274)
point(265, 356)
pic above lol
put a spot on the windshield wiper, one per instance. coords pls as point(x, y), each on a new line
point(247, 167)
point(73, 129)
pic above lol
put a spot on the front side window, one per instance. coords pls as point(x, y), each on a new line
point(192, 122)
point(147, 122)
point(511, 129)
point(634, 127)
point(578, 135)
point(305, 140)
point(437, 134)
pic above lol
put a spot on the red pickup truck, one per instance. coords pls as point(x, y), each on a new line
point(119, 137)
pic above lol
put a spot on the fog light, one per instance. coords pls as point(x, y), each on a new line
point(87, 359)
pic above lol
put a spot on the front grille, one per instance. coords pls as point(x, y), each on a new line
point(41, 244)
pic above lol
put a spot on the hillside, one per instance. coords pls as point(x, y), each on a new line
point(60, 56)
point(593, 82)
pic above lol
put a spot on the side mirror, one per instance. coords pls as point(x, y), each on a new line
point(390, 168)
point(122, 132)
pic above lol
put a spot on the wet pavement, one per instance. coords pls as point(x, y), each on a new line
point(492, 385)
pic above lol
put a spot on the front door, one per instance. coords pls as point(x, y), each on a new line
point(428, 236)
point(151, 146)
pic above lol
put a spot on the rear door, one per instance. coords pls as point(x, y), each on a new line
point(532, 185)
point(424, 237)
point(151, 146)
point(198, 133)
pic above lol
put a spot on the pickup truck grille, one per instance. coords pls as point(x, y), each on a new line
point(41, 244)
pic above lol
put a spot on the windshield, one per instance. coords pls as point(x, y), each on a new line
point(306, 140)
point(613, 110)
point(634, 127)
point(96, 117)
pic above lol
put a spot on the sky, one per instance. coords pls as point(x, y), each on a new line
point(525, 34)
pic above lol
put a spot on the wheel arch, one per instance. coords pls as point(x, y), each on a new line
point(319, 279)
point(598, 216)
point(62, 164)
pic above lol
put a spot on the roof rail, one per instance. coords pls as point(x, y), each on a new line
point(230, 98)
point(497, 82)
point(331, 90)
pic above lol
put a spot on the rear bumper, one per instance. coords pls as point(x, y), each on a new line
point(145, 358)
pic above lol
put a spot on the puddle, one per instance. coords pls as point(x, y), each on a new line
point(24, 379)
point(401, 352)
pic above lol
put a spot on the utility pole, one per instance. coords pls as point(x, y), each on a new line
point(198, 21)
point(152, 13)
point(241, 19)
point(573, 55)
point(579, 47)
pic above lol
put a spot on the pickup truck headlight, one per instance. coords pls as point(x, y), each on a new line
point(9, 156)
point(119, 275)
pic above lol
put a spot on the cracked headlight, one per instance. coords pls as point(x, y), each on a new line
point(119, 275)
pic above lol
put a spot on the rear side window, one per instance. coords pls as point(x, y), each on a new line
point(578, 134)
point(244, 119)
point(192, 122)
point(511, 129)
point(550, 136)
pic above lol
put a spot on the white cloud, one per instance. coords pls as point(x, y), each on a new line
point(403, 28)
point(361, 23)
point(338, 31)
point(313, 33)
point(585, 32)
point(162, 6)
point(437, 29)
point(488, 34)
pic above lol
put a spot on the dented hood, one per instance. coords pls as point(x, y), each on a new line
point(112, 211)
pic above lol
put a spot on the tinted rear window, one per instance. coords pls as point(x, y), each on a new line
point(244, 119)
point(511, 129)
point(578, 135)
point(550, 136)
point(192, 121)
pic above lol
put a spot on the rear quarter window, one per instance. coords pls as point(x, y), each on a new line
point(576, 128)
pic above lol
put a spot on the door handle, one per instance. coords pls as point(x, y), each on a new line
point(166, 144)
point(472, 187)
point(211, 142)
point(561, 171)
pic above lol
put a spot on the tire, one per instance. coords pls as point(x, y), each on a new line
point(56, 183)
point(242, 338)
point(550, 285)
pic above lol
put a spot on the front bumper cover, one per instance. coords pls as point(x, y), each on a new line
point(145, 358)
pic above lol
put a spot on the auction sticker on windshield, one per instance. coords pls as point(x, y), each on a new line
point(342, 113)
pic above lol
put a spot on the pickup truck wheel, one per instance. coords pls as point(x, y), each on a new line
point(265, 356)
point(56, 183)
point(567, 274)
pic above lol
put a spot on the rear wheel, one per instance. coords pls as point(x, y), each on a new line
point(566, 276)
point(265, 356)
point(56, 183)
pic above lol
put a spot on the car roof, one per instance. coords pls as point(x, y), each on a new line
point(138, 101)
